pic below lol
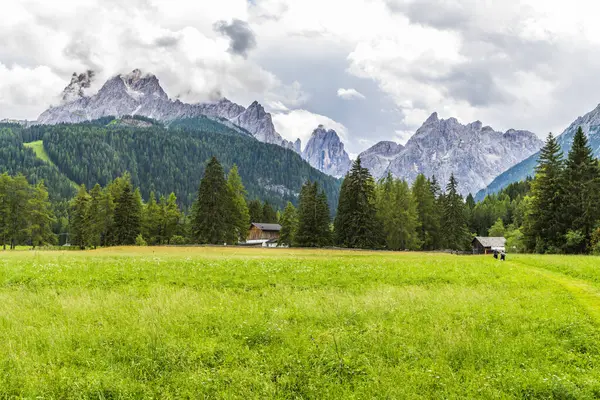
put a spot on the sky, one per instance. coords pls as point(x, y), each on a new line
point(370, 69)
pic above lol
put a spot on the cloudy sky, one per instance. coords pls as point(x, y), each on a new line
point(371, 69)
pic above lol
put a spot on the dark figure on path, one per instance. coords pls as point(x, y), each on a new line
point(496, 254)
point(503, 256)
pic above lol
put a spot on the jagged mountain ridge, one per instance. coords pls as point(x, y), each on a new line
point(474, 153)
point(378, 157)
point(589, 123)
point(141, 94)
point(325, 152)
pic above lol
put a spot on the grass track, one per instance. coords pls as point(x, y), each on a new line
point(252, 323)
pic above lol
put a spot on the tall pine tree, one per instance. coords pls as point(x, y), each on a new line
point(128, 214)
point(543, 228)
point(289, 225)
point(41, 217)
point(581, 190)
point(79, 218)
point(95, 217)
point(454, 226)
point(269, 214)
point(428, 213)
point(397, 214)
point(212, 221)
point(356, 223)
point(313, 217)
point(255, 209)
point(240, 212)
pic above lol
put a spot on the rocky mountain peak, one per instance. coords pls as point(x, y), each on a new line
point(474, 153)
point(139, 93)
point(75, 89)
point(378, 157)
point(325, 151)
point(432, 118)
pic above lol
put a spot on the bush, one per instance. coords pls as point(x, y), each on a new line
point(140, 241)
point(178, 240)
point(515, 241)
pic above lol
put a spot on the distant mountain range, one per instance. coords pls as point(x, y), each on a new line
point(141, 94)
point(589, 123)
point(476, 154)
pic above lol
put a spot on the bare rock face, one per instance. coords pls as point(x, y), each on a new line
point(75, 89)
point(325, 152)
point(137, 93)
point(258, 122)
point(377, 159)
point(474, 153)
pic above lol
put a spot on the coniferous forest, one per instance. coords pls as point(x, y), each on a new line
point(137, 182)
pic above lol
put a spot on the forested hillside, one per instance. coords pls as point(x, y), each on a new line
point(160, 159)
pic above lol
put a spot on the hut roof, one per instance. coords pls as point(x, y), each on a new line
point(491, 241)
point(267, 227)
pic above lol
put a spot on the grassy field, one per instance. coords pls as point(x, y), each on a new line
point(251, 323)
point(38, 149)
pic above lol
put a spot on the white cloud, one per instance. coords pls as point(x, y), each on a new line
point(349, 94)
point(528, 64)
point(301, 124)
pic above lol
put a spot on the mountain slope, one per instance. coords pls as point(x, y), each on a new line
point(473, 152)
point(169, 158)
point(590, 123)
point(141, 94)
point(325, 152)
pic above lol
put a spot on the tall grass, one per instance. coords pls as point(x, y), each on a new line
point(248, 323)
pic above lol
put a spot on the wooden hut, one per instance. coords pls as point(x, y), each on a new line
point(487, 245)
point(265, 235)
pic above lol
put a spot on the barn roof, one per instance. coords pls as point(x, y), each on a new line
point(267, 227)
point(491, 241)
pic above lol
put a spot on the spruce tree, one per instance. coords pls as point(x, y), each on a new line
point(241, 214)
point(305, 236)
point(152, 221)
point(356, 223)
point(397, 214)
point(41, 217)
point(581, 190)
point(255, 209)
point(269, 214)
point(18, 196)
point(289, 225)
point(322, 218)
point(454, 226)
point(95, 217)
point(79, 218)
point(543, 228)
point(128, 215)
point(427, 212)
point(5, 187)
point(313, 217)
point(212, 221)
point(171, 217)
point(107, 215)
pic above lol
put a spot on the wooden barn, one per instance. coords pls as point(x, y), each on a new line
point(487, 245)
point(265, 235)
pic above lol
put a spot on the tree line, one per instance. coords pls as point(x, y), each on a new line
point(26, 214)
point(558, 211)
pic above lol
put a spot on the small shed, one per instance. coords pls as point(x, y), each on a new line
point(487, 245)
point(263, 234)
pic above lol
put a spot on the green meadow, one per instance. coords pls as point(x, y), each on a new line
point(170, 323)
